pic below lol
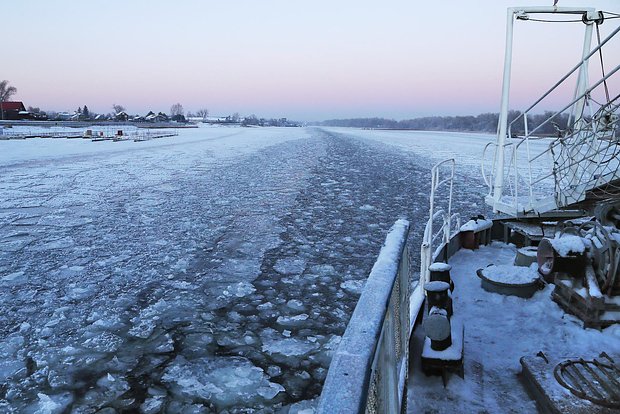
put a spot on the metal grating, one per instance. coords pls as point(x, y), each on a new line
point(597, 381)
point(397, 317)
point(372, 403)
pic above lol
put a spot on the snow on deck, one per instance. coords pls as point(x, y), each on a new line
point(512, 275)
point(498, 331)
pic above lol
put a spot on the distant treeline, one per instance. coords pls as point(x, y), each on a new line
point(481, 123)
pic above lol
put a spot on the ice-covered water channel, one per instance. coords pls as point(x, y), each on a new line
point(211, 271)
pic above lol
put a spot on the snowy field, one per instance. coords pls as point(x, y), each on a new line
point(465, 147)
point(437, 146)
point(468, 150)
point(211, 271)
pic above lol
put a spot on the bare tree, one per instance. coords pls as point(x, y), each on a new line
point(176, 109)
point(202, 113)
point(5, 94)
point(118, 108)
point(6, 91)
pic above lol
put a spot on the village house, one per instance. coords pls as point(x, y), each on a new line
point(12, 110)
point(121, 116)
point(152, 117)
point(16, 110)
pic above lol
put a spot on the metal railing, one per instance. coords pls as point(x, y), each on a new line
point(368, 372)
point(434, 241)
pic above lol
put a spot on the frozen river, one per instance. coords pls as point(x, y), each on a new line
point(211, 271)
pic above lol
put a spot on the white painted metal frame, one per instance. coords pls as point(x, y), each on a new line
point(497, 179)
point(450, 223)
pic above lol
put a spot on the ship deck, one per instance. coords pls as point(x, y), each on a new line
point(499, 330)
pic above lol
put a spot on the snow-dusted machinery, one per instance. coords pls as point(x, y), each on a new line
point(583, 263)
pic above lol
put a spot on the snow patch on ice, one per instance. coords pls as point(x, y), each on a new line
point(293, 320)
point(304, 407)
point(290, 266)
point(13, 277)
point(239, 290)
point(295, 304)
point(289, 347)
point(353, 286)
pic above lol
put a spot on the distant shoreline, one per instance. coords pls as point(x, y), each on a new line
point(83, 124)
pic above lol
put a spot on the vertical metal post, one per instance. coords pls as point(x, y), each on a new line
point(529, 159)
point(582, 80)
point(450, 199)
point(503, 114)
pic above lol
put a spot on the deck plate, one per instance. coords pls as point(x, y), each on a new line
point(551, 396)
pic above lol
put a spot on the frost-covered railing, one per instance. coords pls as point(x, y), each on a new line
point(533, 174)
point(433, 241)
point(368, 372)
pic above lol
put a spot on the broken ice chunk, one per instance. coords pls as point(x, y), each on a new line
point(223, 381)
point(53, 404)
point(295, 304)
point(294, 320)
point(290, 266)
point(353, 286)
point(289, 347)
point(104, 342)
point(239, 290)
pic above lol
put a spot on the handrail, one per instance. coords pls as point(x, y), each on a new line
point(443, 233)
point(429, 240)
point(484, 153)
point(455, 218)
point(436, 183)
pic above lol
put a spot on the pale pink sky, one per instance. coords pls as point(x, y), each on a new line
point(306, 60)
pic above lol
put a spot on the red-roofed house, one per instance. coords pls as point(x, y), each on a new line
point(11, 110)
